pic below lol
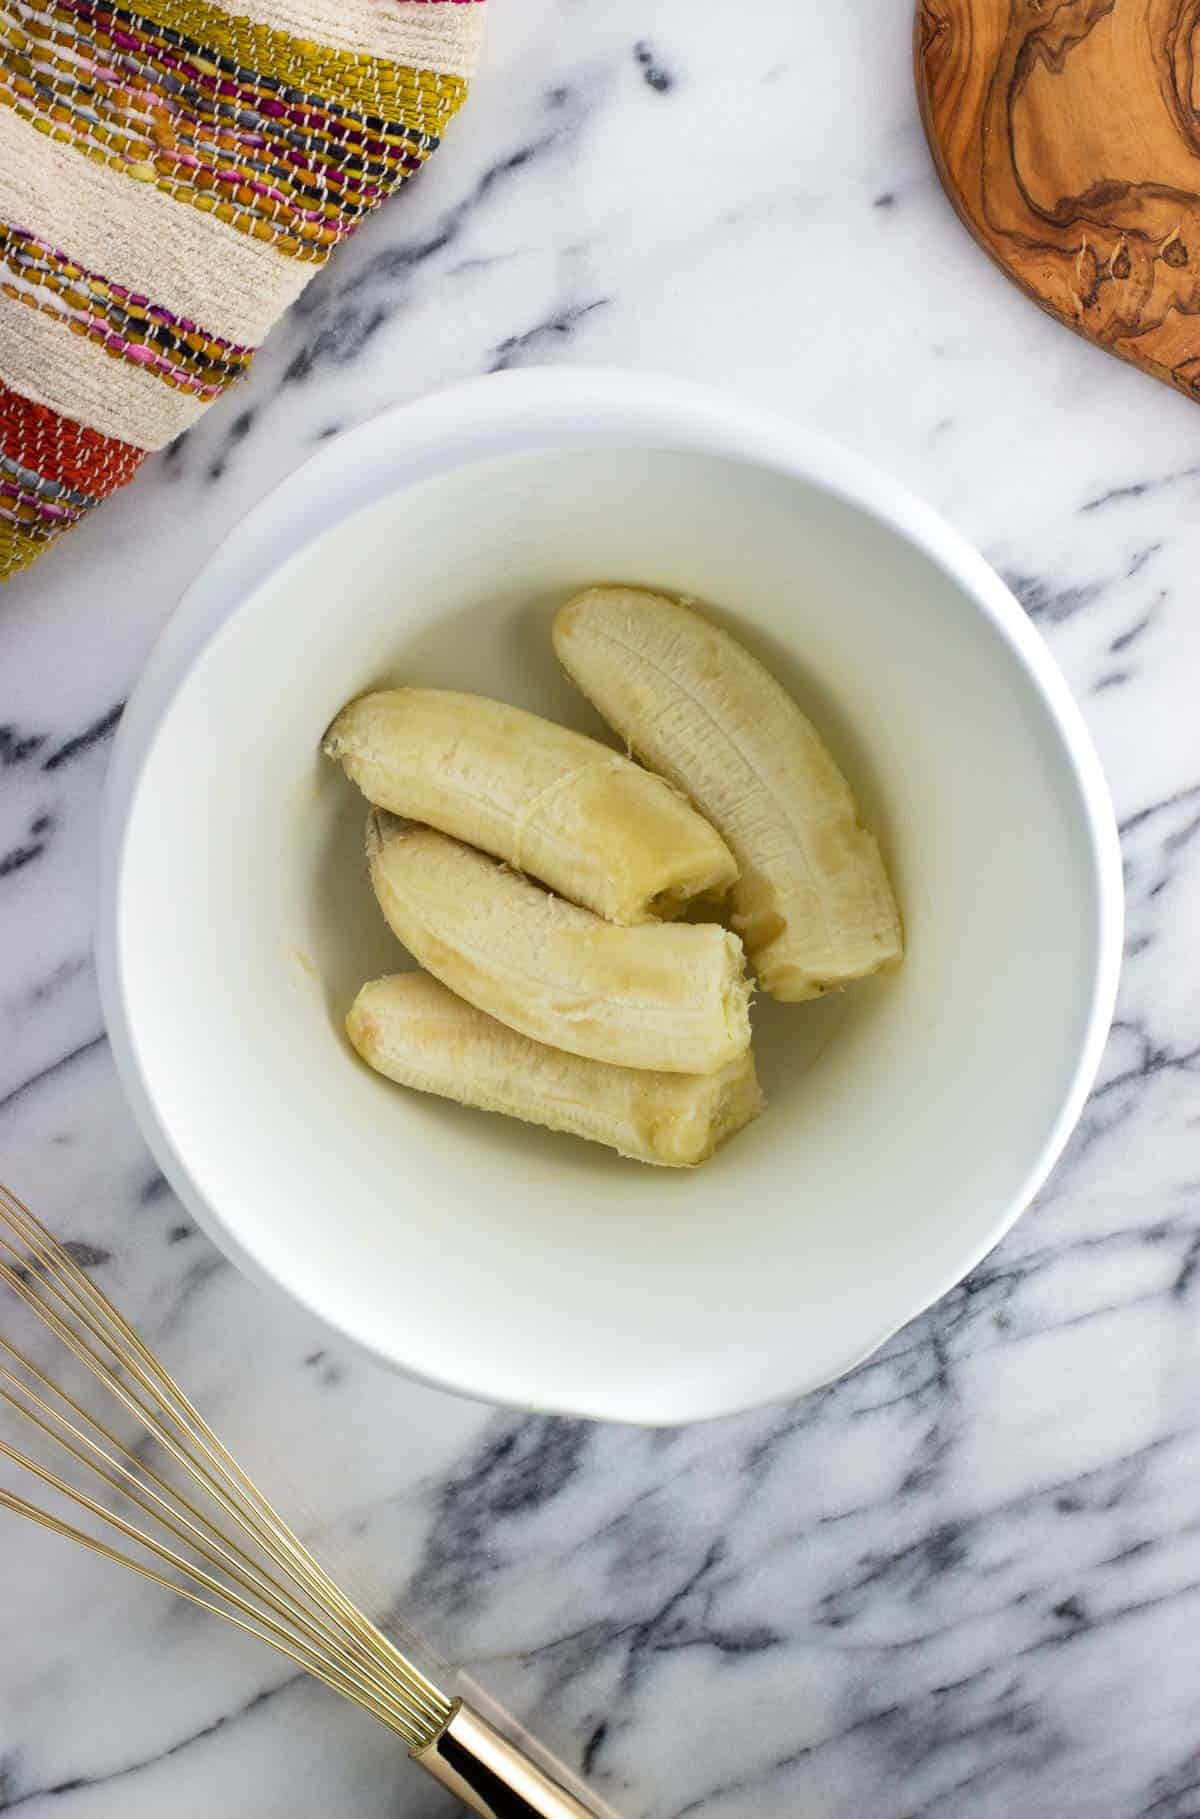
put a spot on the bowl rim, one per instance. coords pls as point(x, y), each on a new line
point(527, 411)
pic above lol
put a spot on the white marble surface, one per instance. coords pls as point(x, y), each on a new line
point(967, 1579)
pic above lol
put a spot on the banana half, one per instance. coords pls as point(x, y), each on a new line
point(586, 820)
point(418, 1033)
point(672, 996)
point(813, 902)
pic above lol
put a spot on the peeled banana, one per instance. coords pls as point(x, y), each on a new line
point(672, 996)
point(588, 822)
point(813, 902)
point(417, 1032)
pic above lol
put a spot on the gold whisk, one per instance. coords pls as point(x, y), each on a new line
point(217, 1543)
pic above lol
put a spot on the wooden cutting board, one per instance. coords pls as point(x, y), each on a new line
point(1067, 135)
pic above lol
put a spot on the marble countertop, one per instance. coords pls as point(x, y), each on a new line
point(965, 1580)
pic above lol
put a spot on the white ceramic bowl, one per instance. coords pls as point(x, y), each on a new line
point(434, 544)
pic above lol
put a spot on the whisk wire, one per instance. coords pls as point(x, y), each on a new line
point(80, 1297)
point(323, 1644)
point(43, 1519)
point(176, 1512)
point(315, 1624)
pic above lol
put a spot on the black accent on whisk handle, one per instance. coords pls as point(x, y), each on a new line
point(491, 1776)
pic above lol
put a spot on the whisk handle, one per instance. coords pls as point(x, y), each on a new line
point(491, 1776)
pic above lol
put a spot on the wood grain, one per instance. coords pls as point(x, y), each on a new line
point(1067, 135)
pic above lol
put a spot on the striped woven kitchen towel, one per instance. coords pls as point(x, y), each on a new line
point(172, 172)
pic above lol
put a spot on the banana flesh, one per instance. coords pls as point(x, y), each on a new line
point(670, 996)
point(813, 902)
point(587, 821)
point(415, 1031)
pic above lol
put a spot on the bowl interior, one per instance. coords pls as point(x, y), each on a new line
point(906, 1118)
